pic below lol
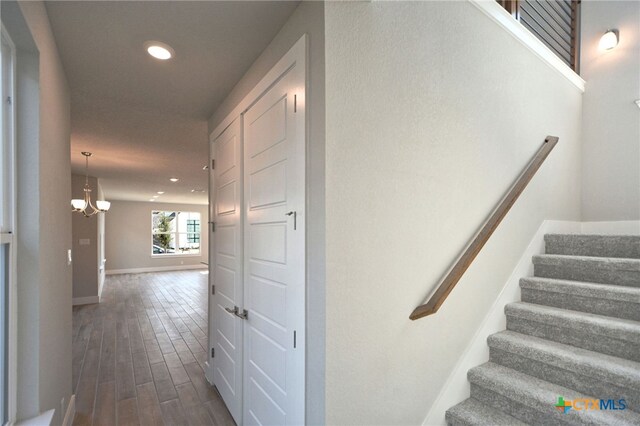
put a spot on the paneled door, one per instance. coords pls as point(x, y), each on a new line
point(227, 267)
point(274, 254)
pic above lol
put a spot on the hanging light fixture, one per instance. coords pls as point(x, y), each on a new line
point(82, 205)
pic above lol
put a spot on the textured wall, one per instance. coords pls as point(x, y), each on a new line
point(128, 236)
point(611, 119)
point(432, 111)
point(307, 18)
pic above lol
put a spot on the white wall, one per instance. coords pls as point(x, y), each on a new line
point(128, 236)
point(85, 264)
point(44, 223)
point(307, 18)
point(611, 119)
point(432, 112)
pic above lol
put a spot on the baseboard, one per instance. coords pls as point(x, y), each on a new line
point(85, 300)
point(71, 412)
point(208, 373)
point(100, 287)
point(154, 269)
point(456, 388)
point(42, 419)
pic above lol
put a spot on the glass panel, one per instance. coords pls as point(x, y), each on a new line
point(164, 244)
point(163, 222)
point(189, 244)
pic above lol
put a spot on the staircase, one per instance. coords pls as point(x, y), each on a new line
point(575, 336)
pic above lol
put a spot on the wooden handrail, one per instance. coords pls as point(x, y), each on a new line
point(480, 239)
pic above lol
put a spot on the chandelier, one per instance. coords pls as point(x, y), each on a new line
point(82, 205)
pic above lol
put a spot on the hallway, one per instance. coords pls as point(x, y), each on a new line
point(138, 357)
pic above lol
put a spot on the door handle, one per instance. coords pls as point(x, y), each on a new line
point(295, 218)
point(236, 311)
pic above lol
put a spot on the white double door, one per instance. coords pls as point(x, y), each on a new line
point(258, 262)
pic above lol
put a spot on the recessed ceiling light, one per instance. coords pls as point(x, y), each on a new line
point(160, 192)
point(152, 199)
point(197, 190)
point(159, 50)
point(174, 179)
point(155, 196)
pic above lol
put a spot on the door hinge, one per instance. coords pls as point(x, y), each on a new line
point(9, 100)
point(213, 352)
point(213, 164)
point(294, 339)
point(295, 103)
point(213, 226)
point(213, 289)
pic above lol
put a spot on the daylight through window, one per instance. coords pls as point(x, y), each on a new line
point(175, 233)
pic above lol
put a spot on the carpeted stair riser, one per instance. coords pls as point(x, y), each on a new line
point(587, 372)
point(472, 412)
point(613, 301)
point(610, 336)
point(624, 272)
point(532, 400)
point(619, 246)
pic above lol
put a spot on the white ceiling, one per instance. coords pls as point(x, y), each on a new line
point(144, 119)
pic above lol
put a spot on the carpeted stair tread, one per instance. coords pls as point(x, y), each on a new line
point(597, 366)
point(620, 246)
point(601, 299)
point(605, 270)
point(608, 335)
point(471, 412)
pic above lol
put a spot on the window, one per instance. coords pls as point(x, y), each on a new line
point(555, 22)
point(7, 237)
point(175, 233)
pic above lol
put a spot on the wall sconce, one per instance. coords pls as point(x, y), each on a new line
point(609, 40)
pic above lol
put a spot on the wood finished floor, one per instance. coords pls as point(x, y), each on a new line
point(138, 357)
